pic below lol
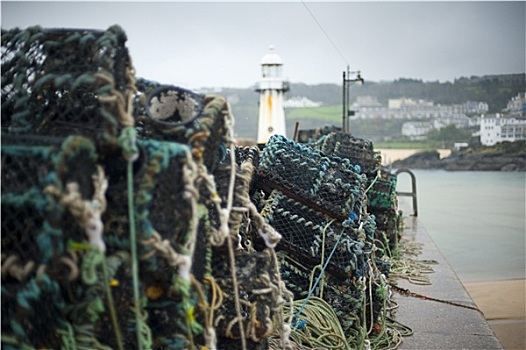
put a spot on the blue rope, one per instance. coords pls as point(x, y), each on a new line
point(301, 324)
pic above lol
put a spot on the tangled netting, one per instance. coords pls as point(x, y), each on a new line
point(132, 220)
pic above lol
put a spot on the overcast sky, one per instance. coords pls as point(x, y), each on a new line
point(220, 44)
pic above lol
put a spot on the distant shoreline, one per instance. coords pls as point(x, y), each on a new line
point(506, 157)
point(389, 156)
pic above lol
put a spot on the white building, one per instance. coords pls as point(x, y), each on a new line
point(475, 107)
point(416, 130)
point(271, 89)
point(297, 101)
point(495, 130)
point(408, 103)
point(517, 105)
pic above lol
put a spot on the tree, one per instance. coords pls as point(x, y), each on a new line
point(449, 135)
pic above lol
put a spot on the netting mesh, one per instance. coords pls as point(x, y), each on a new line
point(131, 220)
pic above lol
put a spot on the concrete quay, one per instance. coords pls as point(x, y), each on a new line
point(437, 325)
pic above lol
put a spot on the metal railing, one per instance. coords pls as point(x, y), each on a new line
point(413, 188)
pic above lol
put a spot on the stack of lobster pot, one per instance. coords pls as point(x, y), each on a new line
point(318, 203)
point(124, 209)
point(381, 183)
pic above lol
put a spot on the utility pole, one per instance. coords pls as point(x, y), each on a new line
point(346, 101)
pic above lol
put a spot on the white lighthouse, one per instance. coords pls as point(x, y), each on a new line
point(271, 89)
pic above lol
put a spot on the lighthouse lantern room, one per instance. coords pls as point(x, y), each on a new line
point(271, 89)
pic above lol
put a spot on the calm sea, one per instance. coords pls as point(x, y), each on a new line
point(477, 220)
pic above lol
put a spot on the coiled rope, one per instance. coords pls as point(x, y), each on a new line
point(302, 308)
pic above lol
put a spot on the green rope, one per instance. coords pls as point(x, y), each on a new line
point(373, 182)
point(127, 140)
point(323, 328)
point(320, 265)
point(67, 337)
point(135, 261)
point(319, 276)
point(9, 340)
point(111, 305)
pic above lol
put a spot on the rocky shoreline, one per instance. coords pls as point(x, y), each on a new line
point(465, 161)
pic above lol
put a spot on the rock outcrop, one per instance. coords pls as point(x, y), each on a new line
point(465, 161)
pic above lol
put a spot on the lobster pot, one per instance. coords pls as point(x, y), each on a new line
point(258, 291)
point(160, 206)
point(346, 265)
point(358, 151)
point(164, 200)
point(358, 305)
point(25, 223)
point(180, 115)
point(40, 187)
point(165, 204)
point(310, 237)
point(327, 184)
point(389, 228)
point(247, 154)
point(40, 184)
point(312, 136)
point(346, 297)
point(382, 202)
point(66, 81)
point(243, 179)
point(166, 112)
point(382, 192)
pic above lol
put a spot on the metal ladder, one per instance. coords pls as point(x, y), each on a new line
point(413, 187)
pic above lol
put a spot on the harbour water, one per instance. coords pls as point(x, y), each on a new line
point(477, 220)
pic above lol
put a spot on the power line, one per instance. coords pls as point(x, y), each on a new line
point(324, 32)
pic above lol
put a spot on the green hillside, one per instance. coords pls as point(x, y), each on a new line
point(326, 114)
point(496, 90)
